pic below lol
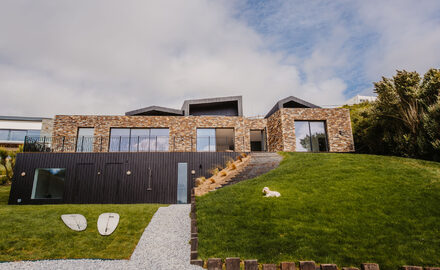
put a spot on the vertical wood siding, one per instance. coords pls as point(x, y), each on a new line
point(102, 177)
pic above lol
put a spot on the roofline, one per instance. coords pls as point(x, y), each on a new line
point(154, 108)
point(239, 99)
point(23, 118)
point(279, 104)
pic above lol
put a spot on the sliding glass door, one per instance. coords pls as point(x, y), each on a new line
point(311, 136)
point(215, 139)
point(139, 140)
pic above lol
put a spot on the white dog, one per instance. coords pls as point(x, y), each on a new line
point(270, 193)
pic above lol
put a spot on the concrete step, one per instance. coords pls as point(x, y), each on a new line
point(259, 164)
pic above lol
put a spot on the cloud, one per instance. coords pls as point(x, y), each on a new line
point(90, 57)
point(108, 57)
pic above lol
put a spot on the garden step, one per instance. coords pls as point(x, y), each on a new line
point(259, 164)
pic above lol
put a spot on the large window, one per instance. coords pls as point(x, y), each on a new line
point(17, 135)
point(215, 140)
point(139, 139)
point(85, 140)
point(48, 183)
point(310, 136)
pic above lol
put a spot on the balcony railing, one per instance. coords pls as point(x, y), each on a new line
point(129, 144)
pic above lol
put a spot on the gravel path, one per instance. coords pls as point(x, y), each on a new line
point(163, 245)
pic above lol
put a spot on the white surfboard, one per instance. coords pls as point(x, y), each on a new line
point(75, 222)
point(107, 223)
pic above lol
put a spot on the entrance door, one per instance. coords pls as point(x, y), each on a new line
point(258, 140)
point(113, 176)
point(85, 188)
point(182, 182)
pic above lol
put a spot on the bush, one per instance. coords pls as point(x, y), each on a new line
point(404, 121)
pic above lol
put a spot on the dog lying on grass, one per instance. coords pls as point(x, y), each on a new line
point(270, 193)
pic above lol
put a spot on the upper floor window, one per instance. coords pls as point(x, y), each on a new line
point(17, 135)
point(311, 136)
point(215, 139)
point(139, 139)
point(84, 142)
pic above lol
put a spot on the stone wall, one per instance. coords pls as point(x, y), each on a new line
point(338, 125)
point(47, 127)
point(275, 133)
point(183, 129)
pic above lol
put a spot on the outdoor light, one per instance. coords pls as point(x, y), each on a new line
point(23, 174)
point(128, 172)
point(193, 172)
point(19, 200)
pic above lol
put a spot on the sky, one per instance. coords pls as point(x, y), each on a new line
point(109, 57)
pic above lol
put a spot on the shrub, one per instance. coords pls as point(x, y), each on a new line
point(212, 180)
point(214, 171)
point(239, 159)
point(223, 173)
point(243, 155)
point(229, 164)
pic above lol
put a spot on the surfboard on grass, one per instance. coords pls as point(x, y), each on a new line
point(107, 223)
point(75, 222)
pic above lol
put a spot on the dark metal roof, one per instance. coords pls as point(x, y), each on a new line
point(280, 104)
point(238, 99)
point(22, 118)
point(155, 110)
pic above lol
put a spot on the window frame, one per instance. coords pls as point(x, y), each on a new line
point(82, 142)
point(35, 183)
point(310, 135)
point(130, 138)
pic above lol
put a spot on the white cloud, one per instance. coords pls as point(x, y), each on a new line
point(108, 57)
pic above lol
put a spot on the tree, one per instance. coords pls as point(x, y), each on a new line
point(405, 119)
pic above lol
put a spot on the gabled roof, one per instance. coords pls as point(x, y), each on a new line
point(290, 102)
point(216, 100)
point(155, 110)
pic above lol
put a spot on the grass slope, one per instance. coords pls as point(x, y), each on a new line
point(335, 208)
point(34, 232)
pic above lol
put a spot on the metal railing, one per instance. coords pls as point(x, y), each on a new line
point(131, 144)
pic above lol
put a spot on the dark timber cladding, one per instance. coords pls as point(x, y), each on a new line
point(113, 177)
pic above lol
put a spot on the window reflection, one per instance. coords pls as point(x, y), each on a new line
point(310, 136)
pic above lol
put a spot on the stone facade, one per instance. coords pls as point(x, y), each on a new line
point(47, 127)
point(183, 129)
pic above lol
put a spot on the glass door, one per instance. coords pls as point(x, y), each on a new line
point(182, 182)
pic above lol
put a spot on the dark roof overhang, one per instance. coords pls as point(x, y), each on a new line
point(155, 111)
point(22, 118)
point(290, 102)
point(217, 100)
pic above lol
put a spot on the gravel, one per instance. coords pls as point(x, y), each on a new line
point(163, 245)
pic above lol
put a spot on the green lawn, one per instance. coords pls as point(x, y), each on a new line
point(34, 232)
point(335, 208)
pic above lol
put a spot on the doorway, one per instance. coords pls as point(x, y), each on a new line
point(258, 140)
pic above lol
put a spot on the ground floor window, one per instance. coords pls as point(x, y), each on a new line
point(215, 139)
point(139, 139)
point(311, 136)
point(48, 183)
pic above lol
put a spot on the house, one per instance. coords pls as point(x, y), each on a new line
point(360, 99)
point(14, 129)
point(153, 154)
